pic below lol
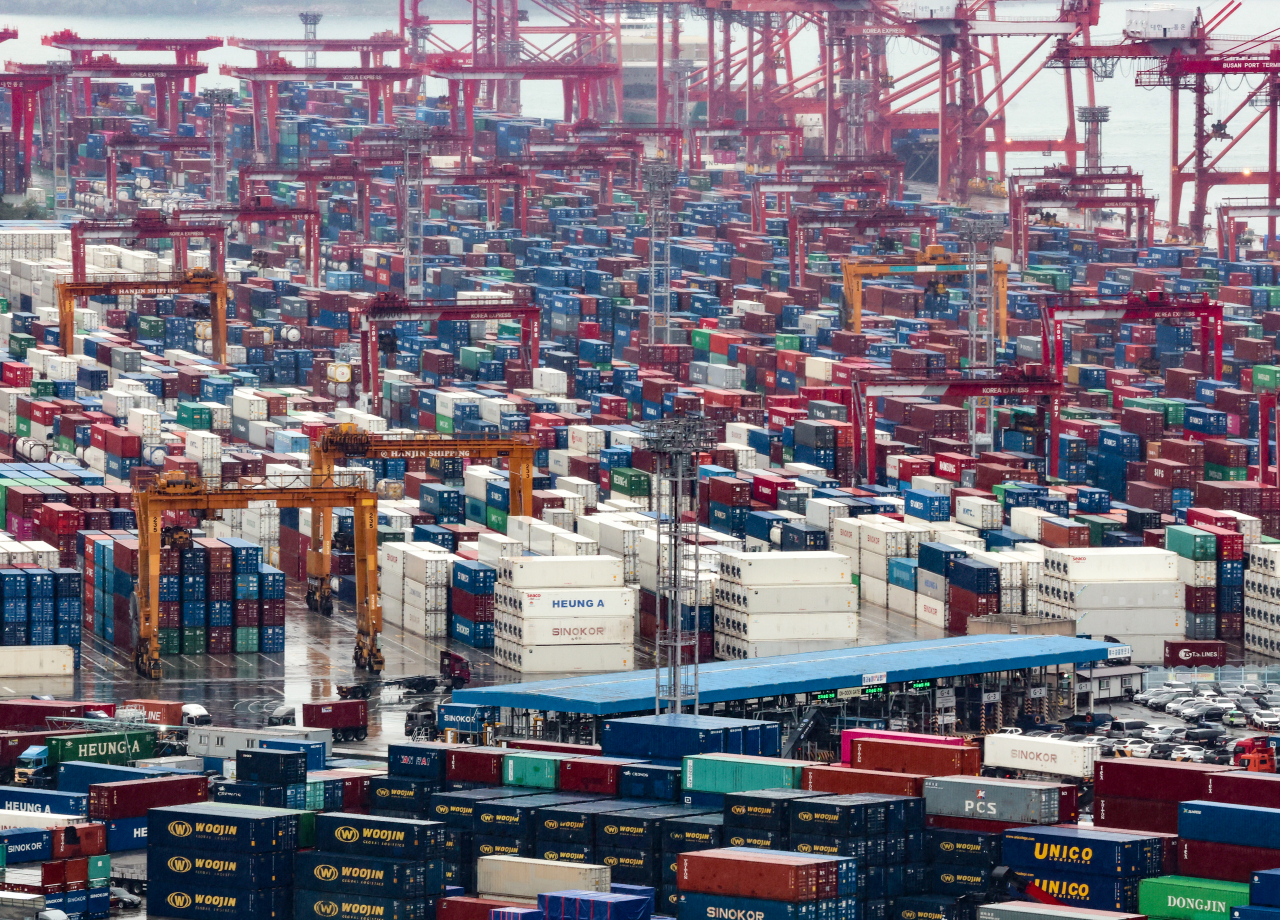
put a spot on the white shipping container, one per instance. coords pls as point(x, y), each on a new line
point(931, 584)
point(933, 484)
point(218, 741)
point(569, 629)
point(428, 566)
point(737, 649)
point(556, 659)
point(931, 611)
point(586, 439)
point(847, 532)
point(1138, 563)
point(875, 565)
point(392, 609)
point(1011, 569)
point(1122, 623)
point(562, 572)
point(874, 590)
point(549, 603)
point(885, 539)
point(574, 544)
point(1113, 595)
point(494, 546)
point(788, 568)
point(787, 598)
point(619, 537)
point(982, 513)
point(37, 661)
point(1197, 574)
point(12, 819)
point(1026, 521)
point(769, 627)
point(902, 600)
point(1263, 557)
point(518, 877)
point(1040, 755)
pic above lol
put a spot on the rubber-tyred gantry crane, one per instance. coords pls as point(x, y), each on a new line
point(347, 441)
point(372, 50)
point(262, 208)
point(185, 51)
point(148, 225)
point(805, 218)
point(389, 308)
point(121, 142)
point(168, 79)
point(24, 97)
point(199, 281)
point(175, 492)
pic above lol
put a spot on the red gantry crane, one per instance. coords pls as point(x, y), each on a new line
point(168, 80)
point(372, 50)
point(185, 51)
point(117, 143)
point(148, 225)
point(263, 208)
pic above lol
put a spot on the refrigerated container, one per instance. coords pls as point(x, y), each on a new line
point(1111, 563)
point(784, 568)
point(561, 572)
point(1040, 755)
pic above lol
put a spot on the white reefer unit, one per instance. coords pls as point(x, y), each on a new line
point(1112, 563)
point(562, 572)
point(799, 568)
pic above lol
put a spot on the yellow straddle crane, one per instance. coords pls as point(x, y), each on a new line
point(345, 441)
point(197, 281)
point(176, 491)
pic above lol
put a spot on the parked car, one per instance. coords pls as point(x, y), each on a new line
point(1188, 752)
point(1266, 719)
point(1009, 730)
point(1161, 750)
point(1172, 706)
point(1235, 718)
point(1156, 733)
point(1124, 728)
point(1132, 747)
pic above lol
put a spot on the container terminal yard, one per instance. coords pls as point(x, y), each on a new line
point(594, 460)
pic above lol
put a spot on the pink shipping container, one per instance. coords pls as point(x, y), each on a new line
point(132, 798)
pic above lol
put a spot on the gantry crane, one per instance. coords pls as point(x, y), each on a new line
point(811, 218)
point(1133, 307)
point(388, 308)
point(1064, 187)
point(199, 281)
point(371, 50)
point(175, 491)
point(263, 208)
point(1009, 382)
point(24, 94)
point(185, 50)
point(148, 225)
point(130, 141)
point(345, 441)
point(933, 261)
point(168, 79)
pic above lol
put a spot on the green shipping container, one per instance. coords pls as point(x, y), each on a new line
point(1213, 472)
point(195, 640)
point(102, 747)
point(787, 342)
point(1179, 897)
point(99, 867)
point(495, 519)
point(538, 769)
point(1191, 543)
point(43, 388)
point(1266, 377)
point(245, 639)
point(733, 773)
point(1098, 525)
point(444, 424)
point(170, 641)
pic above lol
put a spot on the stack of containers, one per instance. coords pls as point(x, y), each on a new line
point(1262, 598)
point(1083, 867)
point(764, 884)
point(471, 602)
point(366, 866)
point(209, 860)
point(879, 539)
point(1198, 572)
point(427, 575)
point(959, 863)
point(1228, 840)
point(973, 590)
point(564, 613)
point(784, 603)
point(1131, 593)
point(1143, 795)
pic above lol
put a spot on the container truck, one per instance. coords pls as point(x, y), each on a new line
point(1032, 758)
point(38, 764)
point(32, 715)
point(14, 744)
point(347, 719)
point(169, 713)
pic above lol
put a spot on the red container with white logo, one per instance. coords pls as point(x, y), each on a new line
point(1191, 654)
point(1162, 780)
point(1227, 862)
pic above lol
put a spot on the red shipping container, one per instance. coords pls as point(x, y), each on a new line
point(1193, 654)
point(89, 840)
point(1230, 542)
point(336, 714)
point(24, 715)
point(729, 490)
point(769, 876)
point(1161, 780)
point(848, 781)
point(1227, 862)
point(470, 908)
point(555, 747)
point(132, 798)
point(475, 765)
point(158, 712)
point(924, 759)
point(12, 744)
point(591, 774)
point(1240, 787)
point(981, 825)
point(1141, 814)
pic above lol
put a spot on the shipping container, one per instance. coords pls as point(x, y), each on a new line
point(1163, 780)
point(389, 838)
point(309, 904)
point(1228, 862)
point(379, 878)
point(517, 877)
point(219, 903)
point(696, 906)
point(180, 868)
point(925, 759)
point(993, 799)
point(771, 877)
point(133, 798)
point(1022, 910)
point(842, 780)
point(1178, 897)
point(1039, 755)
point(1083, 850)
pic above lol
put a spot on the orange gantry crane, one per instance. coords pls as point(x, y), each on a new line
point(199, 281)
point(175, 491)
point(345, 441)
